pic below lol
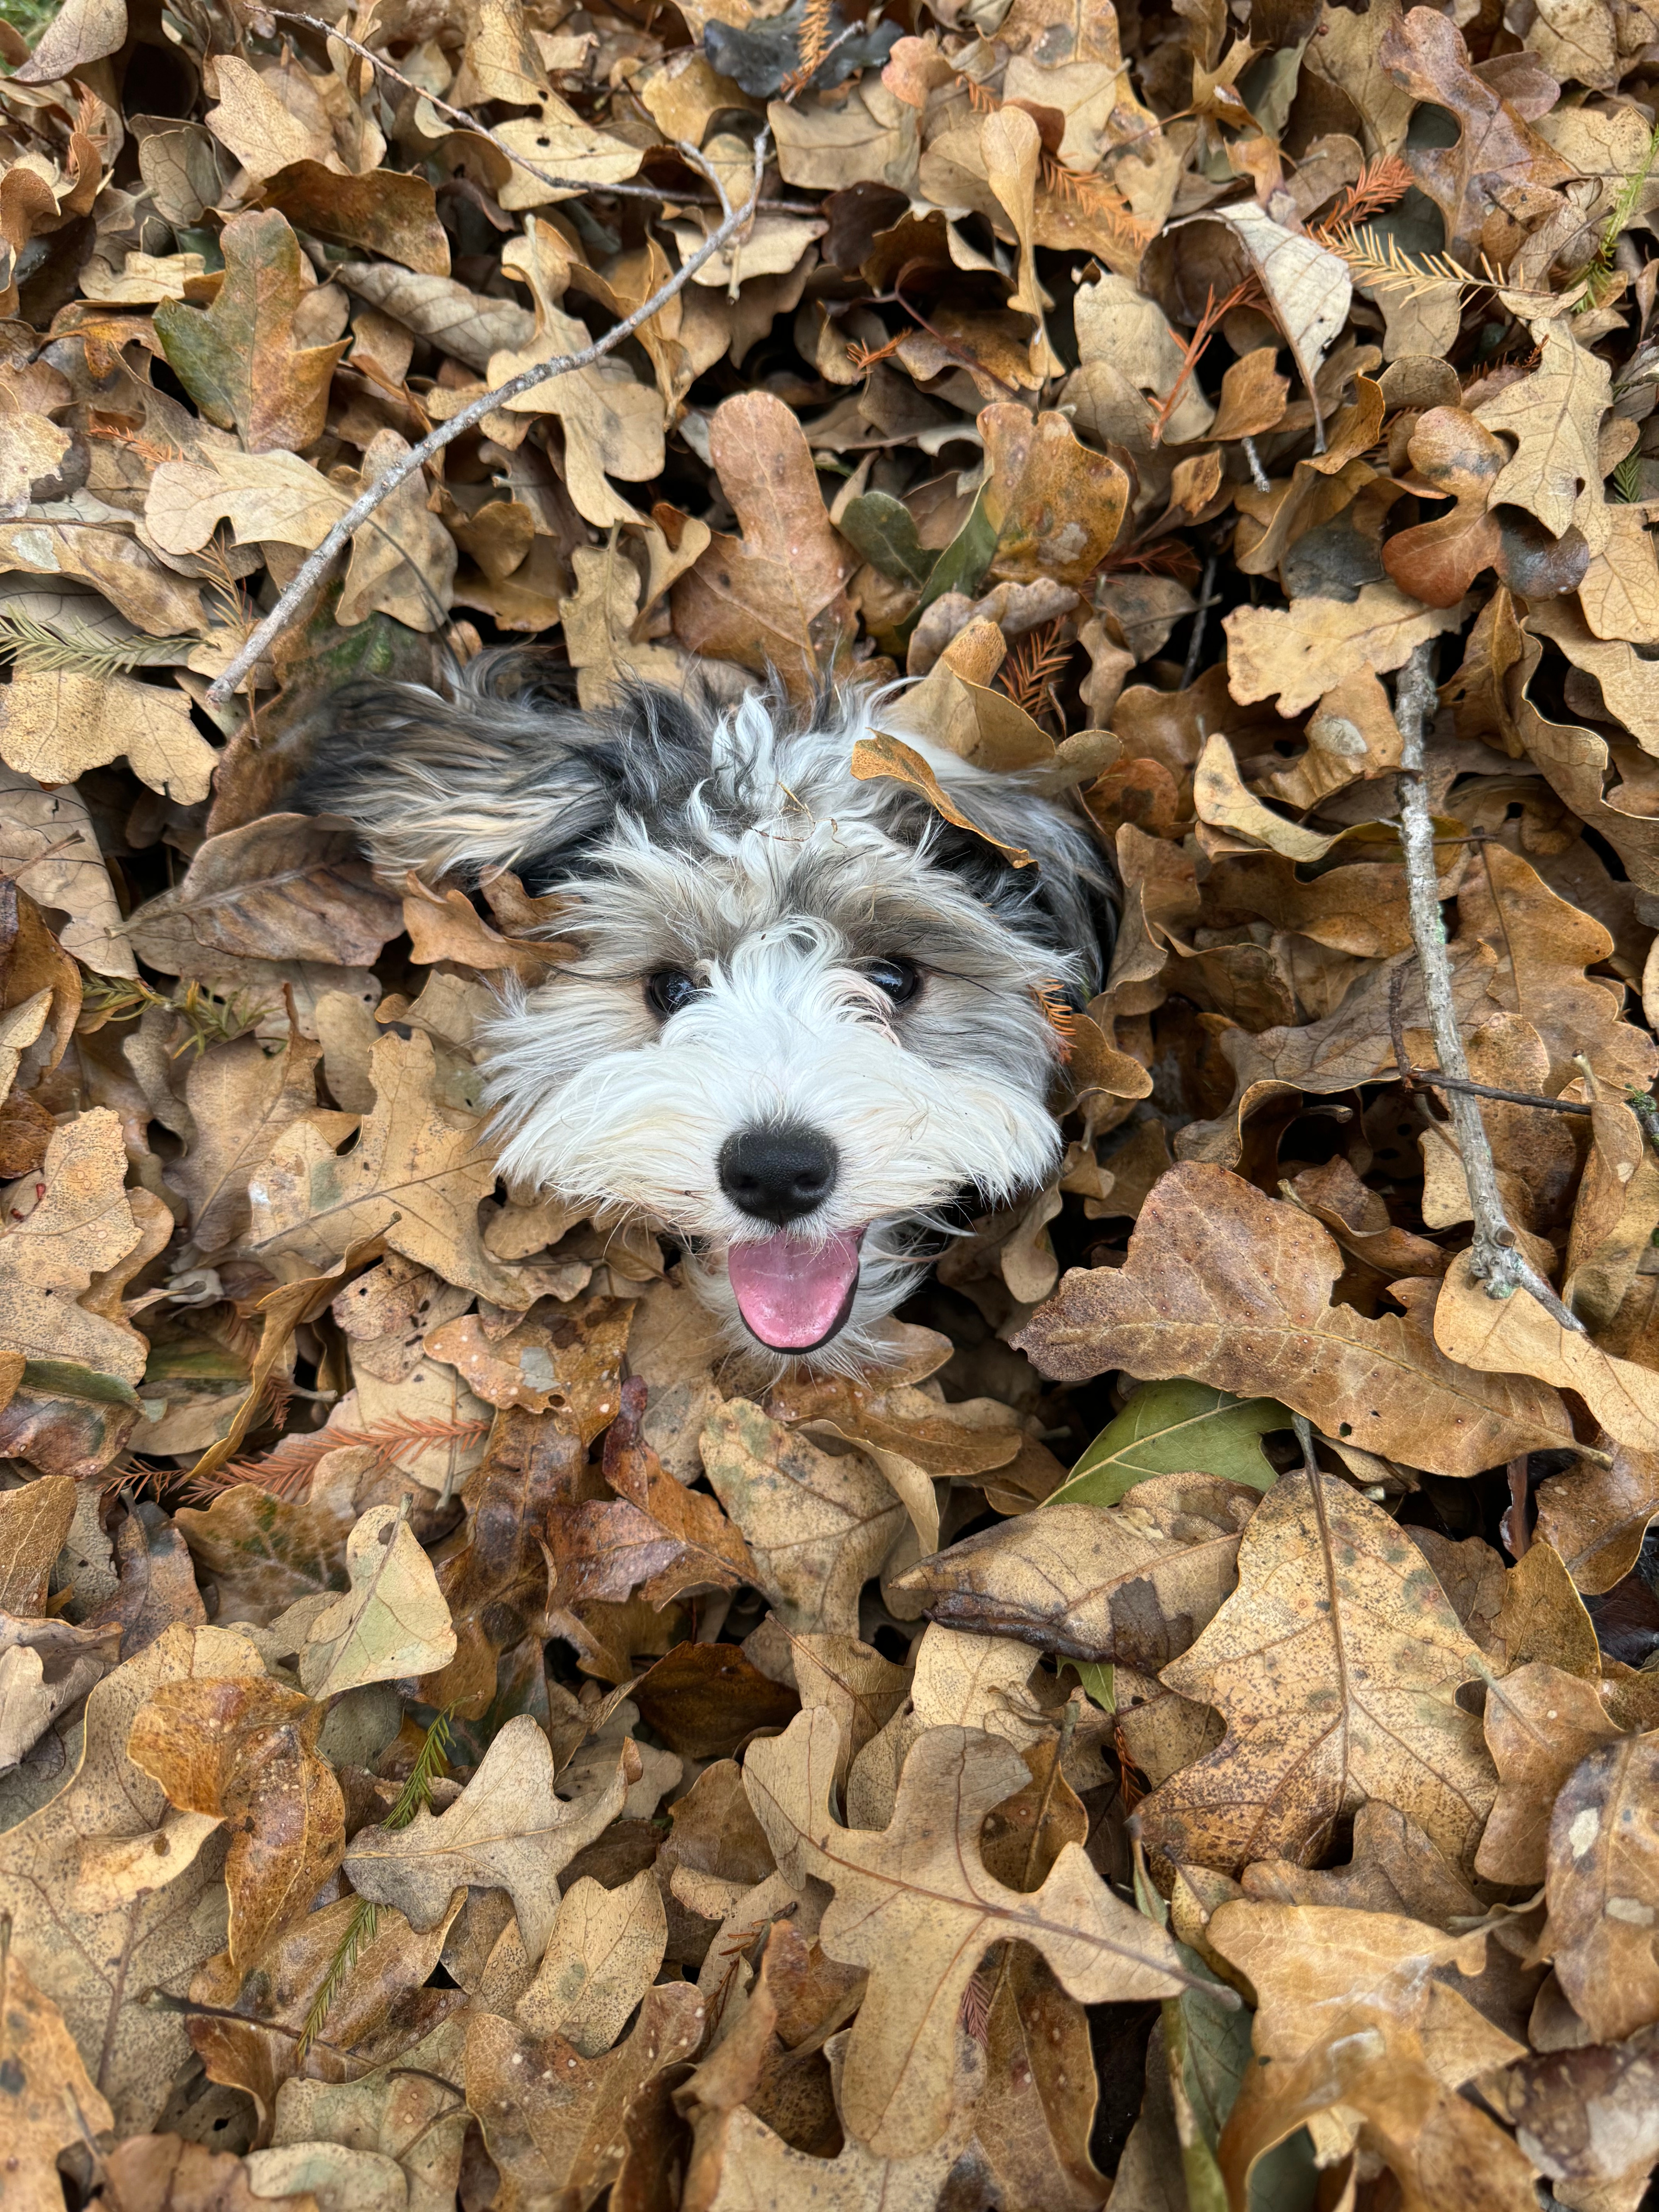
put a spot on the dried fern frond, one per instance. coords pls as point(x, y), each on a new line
point(67, 647)
point(286, 1473)
point(1245, 294)
point(1097, 196)
point(1380, 266)
point(208, 1020)
point(414, 1797)
point(1382, 181)
point(1033, 663)
point(814, 45)
point(1597, 271)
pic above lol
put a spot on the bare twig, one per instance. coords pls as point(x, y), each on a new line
point(468, 122)
point(314, 567)
point(1497, 1260)
point(1201, 616)
point(1436, 1080)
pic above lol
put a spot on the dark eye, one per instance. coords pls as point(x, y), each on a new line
point(900, 979)
point(668, 990)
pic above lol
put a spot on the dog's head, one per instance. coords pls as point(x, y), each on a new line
point(806, 1017)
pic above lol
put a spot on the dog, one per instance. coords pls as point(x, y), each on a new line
point(808, 1019)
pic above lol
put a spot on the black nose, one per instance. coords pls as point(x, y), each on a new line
point(779, 1172)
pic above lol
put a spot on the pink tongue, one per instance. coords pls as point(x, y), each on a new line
point(791, 1293)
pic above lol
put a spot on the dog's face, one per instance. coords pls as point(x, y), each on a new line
point(802, 1020)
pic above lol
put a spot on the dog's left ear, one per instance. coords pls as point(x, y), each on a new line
point(500, 775)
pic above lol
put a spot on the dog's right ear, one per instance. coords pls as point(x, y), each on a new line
point(501, 774)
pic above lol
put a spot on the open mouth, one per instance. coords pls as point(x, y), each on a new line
point(795, 1295)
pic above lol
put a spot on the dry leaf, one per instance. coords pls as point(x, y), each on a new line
point(1199, 1298)
point(917, 1908)
point(246, 1751)
point(393, 1620)
point(1337, 1663)
point(508, 1830)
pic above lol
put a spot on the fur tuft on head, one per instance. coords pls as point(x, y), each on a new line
point(769, 949)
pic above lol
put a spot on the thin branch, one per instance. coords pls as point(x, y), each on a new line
point(1497, 1260)
point(468, 122)
point(311, 570)
point(1201, 616)
point(1436, 1080)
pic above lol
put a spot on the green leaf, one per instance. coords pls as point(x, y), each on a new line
point(1097, 1677)
point(882, 530)
point(65, 1378)
point(1175, 1428)
point(960, 567)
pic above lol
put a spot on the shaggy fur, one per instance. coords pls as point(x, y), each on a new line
point(735, 846)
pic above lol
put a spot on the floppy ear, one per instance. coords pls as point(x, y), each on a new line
point(1068, 900)
point(502, 775)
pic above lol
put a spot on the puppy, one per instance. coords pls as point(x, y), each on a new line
point(808, 1018)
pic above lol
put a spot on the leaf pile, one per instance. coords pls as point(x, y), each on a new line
point(1188, 1726)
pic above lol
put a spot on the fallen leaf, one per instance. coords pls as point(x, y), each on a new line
point(605, 1948)
point(108, 1890)
point(55, 2103)
point(392, 1622)
point(508, 1830)
point(246, 1751)
point(915, 1906)
point(1603, 1887)
point(1136, 1581)
point(1338, 1662)
point(1167, 1428)
point(555, 2123)
point(238, 359)
point(1187, 1305)
point(772, 596)
point(816, 1526)
point(1304, 650)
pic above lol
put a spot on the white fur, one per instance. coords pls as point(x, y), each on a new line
point(768, 876)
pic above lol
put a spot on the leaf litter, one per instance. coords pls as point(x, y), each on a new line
point(1186, 1729)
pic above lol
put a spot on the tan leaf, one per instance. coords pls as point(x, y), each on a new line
point(392, 1622)
point(774, 593)
point(239, 359)
point(1554, 415)
point(1227, 1286)
point(1056, 505)
point(508, 1830)
point(240, 1099)
point(415, 1177)
point(51, 2100)
point(556, 2124)
point(55, 728)
point(34, 1521)
point(1337, 1662)
point(1602, 1886)
point(244, 1750)
point(606, 1946)
point(888, 757)
point(110, 1891)
point(1540, 1723)
point(1135, 1581)
point(817, 1528)
point(47, 844)
point(1308, 648)
point(286, 887)
point(1516, 1337)
point(916, 1906)
point(258, 127)
point(81, 1226)
point(1361, 2032)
